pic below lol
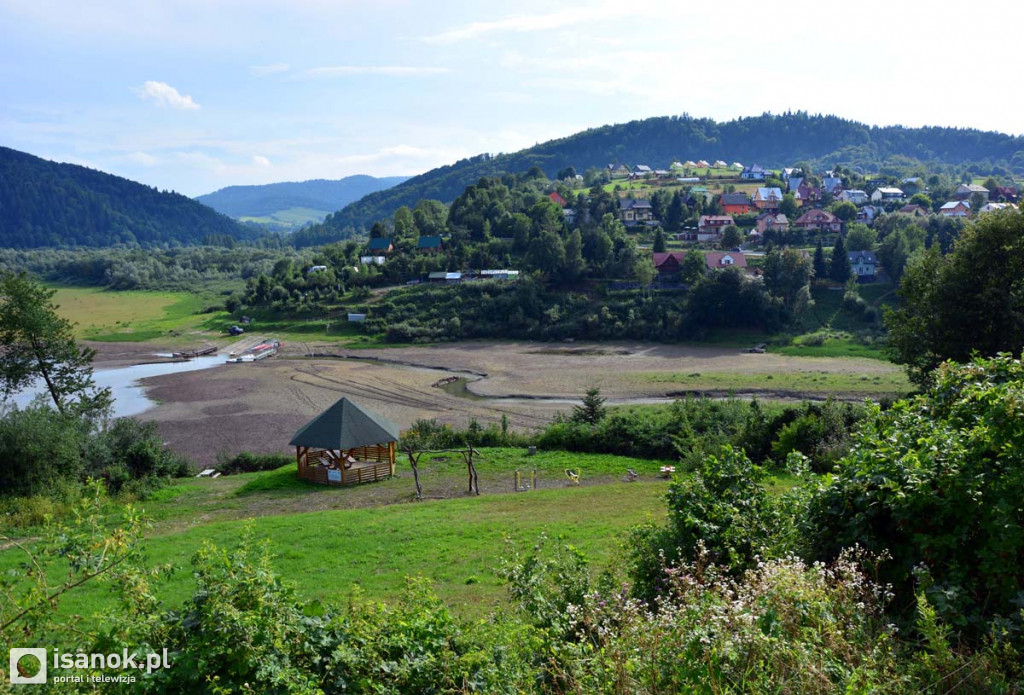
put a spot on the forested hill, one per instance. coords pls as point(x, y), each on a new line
point(769, 140)
point(43, 203)
point(317, 194)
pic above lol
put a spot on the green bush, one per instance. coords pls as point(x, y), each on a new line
point(722, 511)
point(247, 462)
point(937, 482)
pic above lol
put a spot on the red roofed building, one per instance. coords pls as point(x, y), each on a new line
point(819, 221)
point(556, 197)
point(668, 262)
point(722, 260)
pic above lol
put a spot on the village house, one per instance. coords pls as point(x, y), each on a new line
point(789, 172)
point(793, 183)
point(634, 211)
point(994, 207)
point(668, 263)
point(832, 185)
point(445, 277)
point(915, 210)
point(965, 190)
point(642, 170)
point(380, 246)
point(956, 208)
point(767, 198)
point(735, 203)
point(373, 260)
point(719, 164)
point(863, 264)
point(556, 197)
point(754, 173)
point(709, 227)
point(617, 170)
point(430, 244)
point(1006, 194)
point(887, 194)
point(818, 221)
point(806, 194)
point(857, 197)
point(771, 222)
point(702, 164)
point(723, 260)
point(868, 213)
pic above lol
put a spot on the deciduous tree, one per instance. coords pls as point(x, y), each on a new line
point(37, 344)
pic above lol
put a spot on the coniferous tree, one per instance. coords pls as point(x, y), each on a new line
point(840, 268)
point(659, 241)
point(592, 411)
point(820, 264)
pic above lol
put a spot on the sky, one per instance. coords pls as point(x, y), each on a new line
point(195, 95)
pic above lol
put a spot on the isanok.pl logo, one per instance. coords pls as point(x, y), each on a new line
point(28, 666)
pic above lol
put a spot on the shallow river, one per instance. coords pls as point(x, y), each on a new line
point(129, 396)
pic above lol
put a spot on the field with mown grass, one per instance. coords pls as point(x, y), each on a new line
point(132, 316)
point(330, 539)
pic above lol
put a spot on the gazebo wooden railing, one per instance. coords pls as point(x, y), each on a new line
point(359, 465)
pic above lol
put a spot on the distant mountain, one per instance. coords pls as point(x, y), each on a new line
point(769, 140)
point(296, 203)
point(43, 203)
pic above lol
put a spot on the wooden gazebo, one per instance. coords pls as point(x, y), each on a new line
point(346, 445)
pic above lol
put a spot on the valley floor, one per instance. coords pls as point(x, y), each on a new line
point(258, 407)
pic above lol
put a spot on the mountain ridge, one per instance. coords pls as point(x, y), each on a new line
point(770, 140)
point(53, 204)
point(321, 194)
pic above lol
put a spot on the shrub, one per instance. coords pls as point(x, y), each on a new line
point(938, 482)
point(247, 462)
point(725, 508)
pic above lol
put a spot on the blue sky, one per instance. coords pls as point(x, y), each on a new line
point(194, 95)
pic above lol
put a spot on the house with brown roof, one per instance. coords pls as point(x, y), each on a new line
point(556, 197)
point(806, 194)
point(709, 227)
point(1006, 193)
point(668, 262)
point(725, 259)
point(771, 222)
point(914, 209)
point(735, 203)
point(818, 221)
point(965, 190)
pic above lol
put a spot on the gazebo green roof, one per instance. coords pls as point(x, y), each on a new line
point(344, 426)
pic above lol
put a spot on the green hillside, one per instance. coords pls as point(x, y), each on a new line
point(769, 140)
point(47, 204)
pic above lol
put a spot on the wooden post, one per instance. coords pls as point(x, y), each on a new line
point(415, 472)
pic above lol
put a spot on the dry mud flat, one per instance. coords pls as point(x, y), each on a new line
point(258, 407)
point(620, 370)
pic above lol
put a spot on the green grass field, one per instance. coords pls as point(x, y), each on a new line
point(802, 382)
point(132, 316)
point(456, 544)
point(293, 217)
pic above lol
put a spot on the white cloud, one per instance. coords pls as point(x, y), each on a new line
point(387, 70)
point(260, 161)
point(166, 95)
point(146, 160)
point(531, 22)
point(265, 70)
